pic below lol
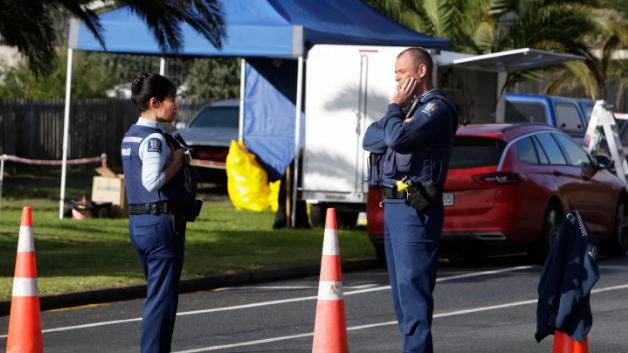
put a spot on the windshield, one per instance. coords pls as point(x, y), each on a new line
point(218, 117)
point(525, 112)
point(475, 152)
point(588, 109)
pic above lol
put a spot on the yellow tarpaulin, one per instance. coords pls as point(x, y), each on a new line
point(248, 182)
point(273, 198)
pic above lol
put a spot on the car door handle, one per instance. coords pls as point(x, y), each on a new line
point(557, 173)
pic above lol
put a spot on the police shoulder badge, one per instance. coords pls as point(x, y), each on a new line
point(429, 109)
point(154, 145)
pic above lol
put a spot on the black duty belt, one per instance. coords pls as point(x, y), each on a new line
point(392, 193)
point(156, 208)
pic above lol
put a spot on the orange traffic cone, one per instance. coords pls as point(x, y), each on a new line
point(25, 320)
point(330, 330)
point(565, 344)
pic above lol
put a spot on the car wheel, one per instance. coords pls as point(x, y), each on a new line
point(347, 220)
point(619, 242)
point(318, 212)
point(380, 252)
point(473, 254)
point(551, 226)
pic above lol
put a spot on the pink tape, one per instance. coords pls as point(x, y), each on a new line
point(16, 159)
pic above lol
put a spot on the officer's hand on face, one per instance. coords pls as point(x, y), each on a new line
point(404, 94)
point(176, 157)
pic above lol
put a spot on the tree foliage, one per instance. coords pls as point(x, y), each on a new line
point(90, 79)
point(29, 25)
point(215, 78)
point(565, 26)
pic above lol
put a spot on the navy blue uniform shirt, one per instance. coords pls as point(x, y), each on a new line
point(428, 127)
point(419, 149)
point(565, 287)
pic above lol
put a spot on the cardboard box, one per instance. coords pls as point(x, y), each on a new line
point(110, 187)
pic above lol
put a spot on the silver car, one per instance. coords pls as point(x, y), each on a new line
point(210, 132)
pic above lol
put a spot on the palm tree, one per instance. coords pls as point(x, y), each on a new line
point(29, 25)
point(611, 35)
point(469, 24)
point(484, 26)
point(553, 26)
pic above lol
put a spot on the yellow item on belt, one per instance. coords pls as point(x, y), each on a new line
point(401, 186)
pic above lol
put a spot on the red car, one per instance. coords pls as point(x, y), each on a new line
point(509, 186)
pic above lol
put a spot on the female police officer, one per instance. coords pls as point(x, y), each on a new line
point(161, 193)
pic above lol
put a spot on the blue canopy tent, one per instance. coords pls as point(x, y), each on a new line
point(258, 29)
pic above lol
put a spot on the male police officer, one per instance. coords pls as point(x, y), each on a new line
point(415, 149)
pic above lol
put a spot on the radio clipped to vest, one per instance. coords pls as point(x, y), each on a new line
point(408, 110)
point(190, 180)
point(187, 151)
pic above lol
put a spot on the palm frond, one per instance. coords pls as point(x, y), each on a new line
point(576, 74)
point(474, 27)
point(611, 44)
point(622, 87)
point(390, 9)
point(164, 18)
point(441, 15)
point(28, 26)
point(559, 23)
point(499, 7)
point(484, 36)
point(89, 17)
point(619, 5)
point(404, 12)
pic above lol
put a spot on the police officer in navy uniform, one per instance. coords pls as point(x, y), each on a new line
point(161, 192)
point(416, 148)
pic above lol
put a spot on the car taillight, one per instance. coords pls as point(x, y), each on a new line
point(498, 178)
point(210, 153)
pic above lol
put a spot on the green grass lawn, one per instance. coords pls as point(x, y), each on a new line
point(84, 254)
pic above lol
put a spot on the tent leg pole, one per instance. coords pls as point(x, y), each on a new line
point(162, 66)
point(297, 141)
point(1, 180)
point(288, 197)
point(242, 92)
point(500, 107)
point(66, 128)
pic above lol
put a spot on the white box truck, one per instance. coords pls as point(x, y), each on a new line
point(349, 87)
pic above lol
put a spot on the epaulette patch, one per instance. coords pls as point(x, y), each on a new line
point(430, 109)
point(154, 145)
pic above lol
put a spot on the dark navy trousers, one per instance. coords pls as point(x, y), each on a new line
point(160, 250)
point(412, 243)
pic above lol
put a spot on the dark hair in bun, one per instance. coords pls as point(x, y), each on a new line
point(147, 86)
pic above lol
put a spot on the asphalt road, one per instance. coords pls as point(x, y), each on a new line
point(483, 308)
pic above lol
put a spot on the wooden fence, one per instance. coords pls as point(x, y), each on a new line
point(33, 129)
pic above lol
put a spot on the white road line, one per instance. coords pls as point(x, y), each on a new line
point(361, 291)
point(609, 289)
point(250, 343)
point(96, 324)
point(363, 286)
point(485, 308)
point(362, 327)
point(389, 323)
point(275, 302)
point(484, 273)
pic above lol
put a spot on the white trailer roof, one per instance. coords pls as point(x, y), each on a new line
point(512, 60)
